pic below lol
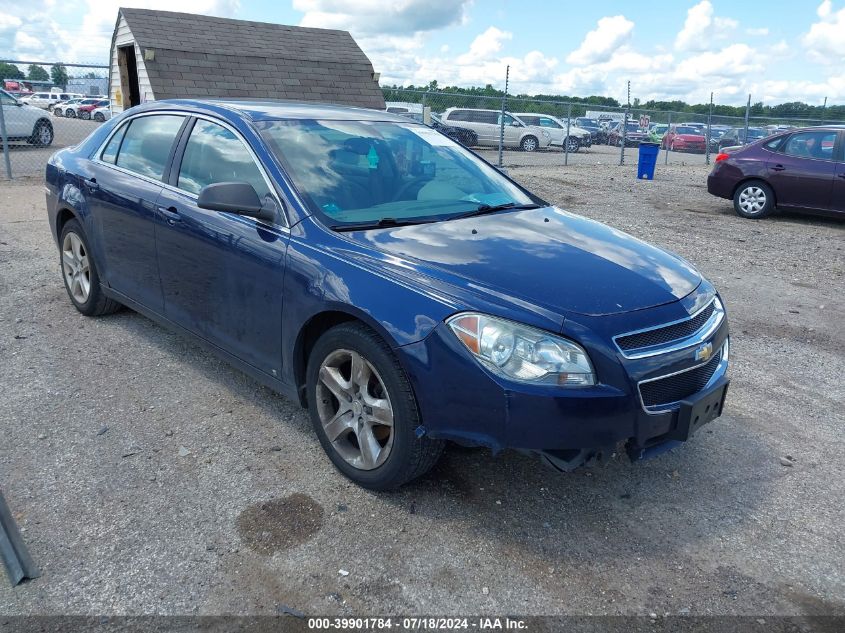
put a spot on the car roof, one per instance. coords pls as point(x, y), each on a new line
point(269, 109)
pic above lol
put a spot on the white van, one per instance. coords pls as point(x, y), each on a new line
point(46, 100)
point(485, 125)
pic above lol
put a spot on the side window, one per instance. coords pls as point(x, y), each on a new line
point(214, 154)
point(457, 115)
point(544, 122)
point(6, 99)
point(509, 120)
point(147, 143)
point(774, 144)
point(811, 145)
point(109, 154)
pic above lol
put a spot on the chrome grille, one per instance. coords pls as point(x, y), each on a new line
point(666, 334)
point(672, 389)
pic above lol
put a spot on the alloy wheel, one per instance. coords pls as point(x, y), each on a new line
point(752, 200)
point(76, 267)
point(45, 134)
point(354, 409)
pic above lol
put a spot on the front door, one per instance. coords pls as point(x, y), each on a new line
point(801, 173)
point(222, 274)
point(14, 117)
point(123, 189)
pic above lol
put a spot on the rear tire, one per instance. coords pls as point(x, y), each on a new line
point(754, 200)
point(42, 133)
point(339, 400)
point(99, 117)
point(70, 113)
point(79, 273)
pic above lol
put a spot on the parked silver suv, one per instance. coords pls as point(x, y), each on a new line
point(485, 127)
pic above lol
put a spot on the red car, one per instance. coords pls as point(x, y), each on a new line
point(799, 169)
point(84, 111)
point(680, 138)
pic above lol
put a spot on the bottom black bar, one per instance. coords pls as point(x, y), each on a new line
point(376, 624)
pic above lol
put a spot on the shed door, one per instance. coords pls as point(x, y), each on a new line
point(129, 87)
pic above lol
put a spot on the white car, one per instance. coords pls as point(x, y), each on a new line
point(578, 137)
point(25, 122)
point(101, 114)
point(59, 108)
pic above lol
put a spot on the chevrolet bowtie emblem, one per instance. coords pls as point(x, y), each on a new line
point(704, 352)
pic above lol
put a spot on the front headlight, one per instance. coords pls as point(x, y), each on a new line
point(523, 353)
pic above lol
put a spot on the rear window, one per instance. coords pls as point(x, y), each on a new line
point(147, 143)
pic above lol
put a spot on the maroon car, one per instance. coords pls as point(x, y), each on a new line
point(800, 169)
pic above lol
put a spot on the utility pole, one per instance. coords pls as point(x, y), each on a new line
point(502, 115)
point(824, 107)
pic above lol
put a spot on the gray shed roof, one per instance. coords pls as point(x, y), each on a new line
point(204, 56)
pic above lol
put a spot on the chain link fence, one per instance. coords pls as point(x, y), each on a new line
point(510, 131)
point(46, 111)
point(519, 131)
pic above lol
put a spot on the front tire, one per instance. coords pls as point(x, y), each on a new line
point(99, 117)
point(364, 411)
point(529, 144)
point(754, 200)
point(572, 144)
point(84, 115)
point(70, 113)
point(79, 273)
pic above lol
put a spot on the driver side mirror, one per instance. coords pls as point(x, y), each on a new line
point(236, 197)
point(516, 124)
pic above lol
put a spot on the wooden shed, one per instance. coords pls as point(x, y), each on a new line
point(166, 55)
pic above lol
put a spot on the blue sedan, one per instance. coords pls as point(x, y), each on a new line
point(387, 278)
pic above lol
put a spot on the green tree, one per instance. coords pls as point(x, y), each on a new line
point(58, 75)
point(10, 71)
point(90, 75)
point(37, 73)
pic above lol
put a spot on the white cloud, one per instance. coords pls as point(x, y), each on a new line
point(485, 46)
point(600, 43)
point(762, 31)
point(824, 42)
point(701, 29)
point(371, 17)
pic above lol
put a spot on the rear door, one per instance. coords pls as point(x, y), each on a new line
point(222, 274)
point(123, 188)
point(801, 172)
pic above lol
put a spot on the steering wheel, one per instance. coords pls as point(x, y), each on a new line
point(419, 180)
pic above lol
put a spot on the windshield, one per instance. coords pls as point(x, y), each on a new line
point(688, 130)
point(358, 172)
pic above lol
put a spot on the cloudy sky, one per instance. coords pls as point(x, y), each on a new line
point(778, 50)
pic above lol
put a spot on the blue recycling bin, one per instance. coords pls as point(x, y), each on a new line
point(647, 161)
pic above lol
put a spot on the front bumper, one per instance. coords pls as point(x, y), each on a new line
point(464, 402)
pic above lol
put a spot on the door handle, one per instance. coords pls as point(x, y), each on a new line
point(171, 214)
point(91, 183)
point(842, 175)
point(778, 168)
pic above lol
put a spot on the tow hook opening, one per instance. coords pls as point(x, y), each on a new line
point(567, 460)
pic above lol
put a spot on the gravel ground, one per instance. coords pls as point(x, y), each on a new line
point(149, 477)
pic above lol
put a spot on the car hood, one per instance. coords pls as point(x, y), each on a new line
point(546, 257)
point(692, 138)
